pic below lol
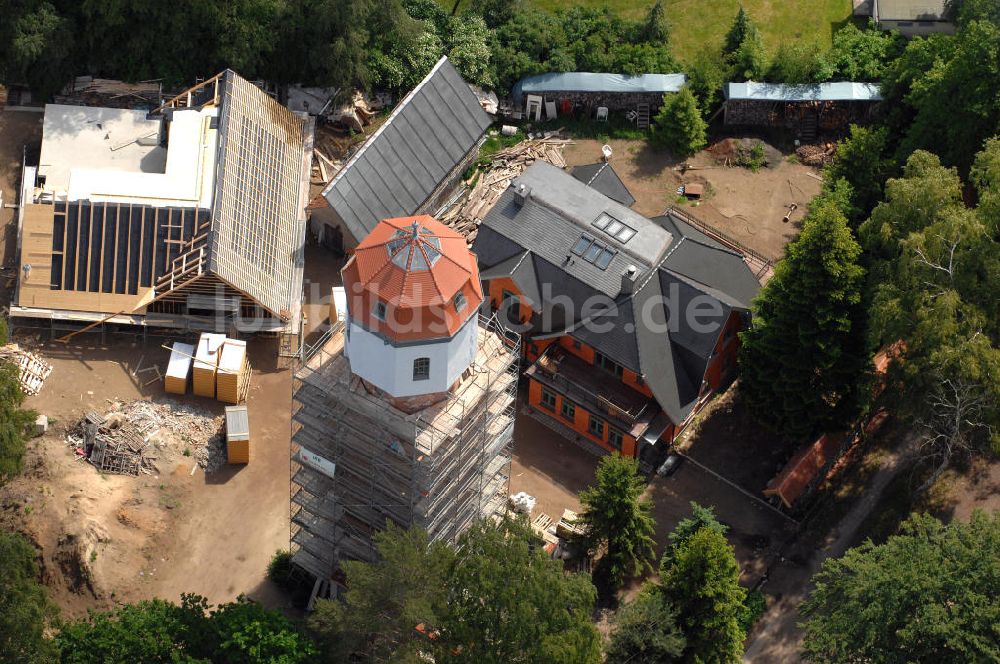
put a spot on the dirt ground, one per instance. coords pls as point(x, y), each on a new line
point(554, 471)
point(105, 538)
point(18, 130)
point(747, 206)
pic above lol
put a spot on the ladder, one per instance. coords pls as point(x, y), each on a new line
point(642, 116)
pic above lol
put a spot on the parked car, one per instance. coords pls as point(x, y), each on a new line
point(670, 465)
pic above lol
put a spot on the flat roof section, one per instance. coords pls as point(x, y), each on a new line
point(101, 138)
point(113, 155)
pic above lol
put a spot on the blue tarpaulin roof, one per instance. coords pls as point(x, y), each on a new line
point(579, 81)
point(841, 91)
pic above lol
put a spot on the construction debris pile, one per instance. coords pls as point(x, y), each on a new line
point(816, 155)
point(90, 91)
point(32, 370)
point(468, 211)
point(132, 436)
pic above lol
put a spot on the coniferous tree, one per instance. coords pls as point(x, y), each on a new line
point(646, 631)
point(617, 521)
point(678, 125)
point(701, 579)
point(802, 358)
point(743, 48)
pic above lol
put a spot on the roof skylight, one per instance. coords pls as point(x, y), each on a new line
point(614, 227)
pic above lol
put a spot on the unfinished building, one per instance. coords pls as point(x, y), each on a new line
point(188, 217)
point(405, 412)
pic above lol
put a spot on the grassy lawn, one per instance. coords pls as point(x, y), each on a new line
point(701, 24)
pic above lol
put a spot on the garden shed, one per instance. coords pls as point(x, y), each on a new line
point(807, 109)
point(586, 90)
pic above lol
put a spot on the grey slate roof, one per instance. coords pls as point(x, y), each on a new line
point(602, 177)
point(557, 213)
point(644, 331)
point(395, 172)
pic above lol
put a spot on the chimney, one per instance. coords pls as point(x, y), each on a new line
point(628, 279)
point(522, 193)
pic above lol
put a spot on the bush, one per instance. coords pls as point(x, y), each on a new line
point(755, 605)
point(752, 157)
point(678, 126)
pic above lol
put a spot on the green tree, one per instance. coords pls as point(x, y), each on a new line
point(861, 55)
point(702, 580)
point(160, 631)
point(24, 605)
point(706, 77)
point(406, 586)
point(935, 271)
point(803, 356)
point(469, 50)
point(861, 160)
point(14, 421)
point(954, 101)
point(617, 521)
point(655, 28)
point(509, 603)
point(797, 62)
point(927, 594)
point(646, 631)
point(701, 517)
point(743, 49)
point(738, 31)
point(39, 49)
point(678, 125)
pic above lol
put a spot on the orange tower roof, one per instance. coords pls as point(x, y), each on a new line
point(412, 278)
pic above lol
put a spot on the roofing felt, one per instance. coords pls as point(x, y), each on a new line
point(837, 91)
point(258, 216)
point(597, 82)
point(602, 177)
point(399, 167)
point(117, 247)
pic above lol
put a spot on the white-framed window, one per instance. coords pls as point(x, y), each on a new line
point(378, 311)
point(548, 398)
point(422, 368)
point(460, 302)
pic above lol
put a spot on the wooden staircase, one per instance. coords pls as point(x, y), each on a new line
point(642, 116)
point(809, 129)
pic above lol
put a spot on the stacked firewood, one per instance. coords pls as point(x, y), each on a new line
point(490, 182)
point(816, 155)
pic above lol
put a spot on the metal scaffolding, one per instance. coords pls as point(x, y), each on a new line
point(439, 468)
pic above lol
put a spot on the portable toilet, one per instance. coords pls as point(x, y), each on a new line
point(206, 363)
point(237, 434)
point(175, 381)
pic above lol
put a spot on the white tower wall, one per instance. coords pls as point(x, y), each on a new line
point(390, 368)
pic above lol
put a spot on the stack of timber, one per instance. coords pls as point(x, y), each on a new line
point(237, 435)
point(466, 215)
point(816, 155)
point(109, 93)
point(206, 364)
point(178, 368)
point(233, 375)
point(32, 370)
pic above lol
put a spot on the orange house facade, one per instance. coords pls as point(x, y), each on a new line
point(626, 333)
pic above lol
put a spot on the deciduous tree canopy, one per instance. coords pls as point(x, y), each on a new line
point(927, 595)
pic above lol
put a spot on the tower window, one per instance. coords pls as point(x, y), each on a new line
point(460, 302)
point(422, 368)
point(379, 310)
